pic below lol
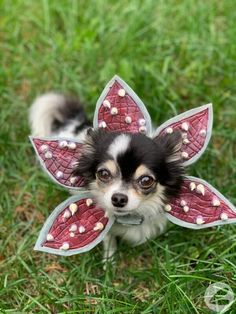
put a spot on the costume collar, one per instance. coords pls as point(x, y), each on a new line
point(130, 219)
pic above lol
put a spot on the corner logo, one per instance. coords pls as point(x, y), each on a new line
point(219, 297)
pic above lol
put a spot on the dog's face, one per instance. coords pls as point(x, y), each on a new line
point(126, 172)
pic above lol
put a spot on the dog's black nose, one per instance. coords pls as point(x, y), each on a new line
point(119, 199)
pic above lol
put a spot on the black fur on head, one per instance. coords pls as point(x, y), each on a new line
point(161, 155)
point(95, 152)
point(171, 170)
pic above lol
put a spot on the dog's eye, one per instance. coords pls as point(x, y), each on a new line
point(146, 182)
point(104, 175)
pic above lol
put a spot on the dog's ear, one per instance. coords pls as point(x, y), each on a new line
point(172, 170)
point(200, 205)
point(75, 226)
point(90, 132)
point(171, 144)
point(195, 126)
point(59, 158)
point(120, 109)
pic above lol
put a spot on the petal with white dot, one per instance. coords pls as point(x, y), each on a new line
point(168, 208)
point(50, 237)
point(65, 246)
point(121, 92)
point(102, 124)
point(48, 155)
point(199, 220)
point(43, 148)
point(184, 155)
point(72, 145)
point(142, 129)
point(142, 122)
point(73, 208)
point(89, 202)
point(192, 186)
point(114, 111)
point(224, 216)
point(66, 214)
point(98, 226)
point(215, 202)
point(186, 141)
point(128, 119)
point(186, 208)
point(81, 229)
point(59, 174)
point(63, 144)
point(206, 206)
point(191, 122)
point(73, 228)
point(169, 130)
point(184, 126)
point(77, 230)
point(203, 133)
point(73, 180)
point(106, 104)
point(200, 189)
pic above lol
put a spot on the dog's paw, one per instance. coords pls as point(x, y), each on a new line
point(108, 262)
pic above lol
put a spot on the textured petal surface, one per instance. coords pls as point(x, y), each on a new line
point(196, 127)
point(58, 158)
point(200, 205)
point(120, 109)
point(75, 226)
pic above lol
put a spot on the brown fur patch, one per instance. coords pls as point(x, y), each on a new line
point(142, 170)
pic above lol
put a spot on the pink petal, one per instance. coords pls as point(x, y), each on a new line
point(58, 160)
point(196, 127)
point(66, 239)
point(207, 206)
point(124, 113)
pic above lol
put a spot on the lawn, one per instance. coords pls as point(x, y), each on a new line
point(176, 55)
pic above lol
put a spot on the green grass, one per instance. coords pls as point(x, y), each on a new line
point(176, 55)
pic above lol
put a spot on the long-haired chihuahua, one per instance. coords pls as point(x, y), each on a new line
point(132, 176)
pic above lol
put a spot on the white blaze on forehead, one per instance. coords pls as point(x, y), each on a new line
point(119, 145)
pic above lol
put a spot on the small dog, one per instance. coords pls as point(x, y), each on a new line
point(131, 176)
